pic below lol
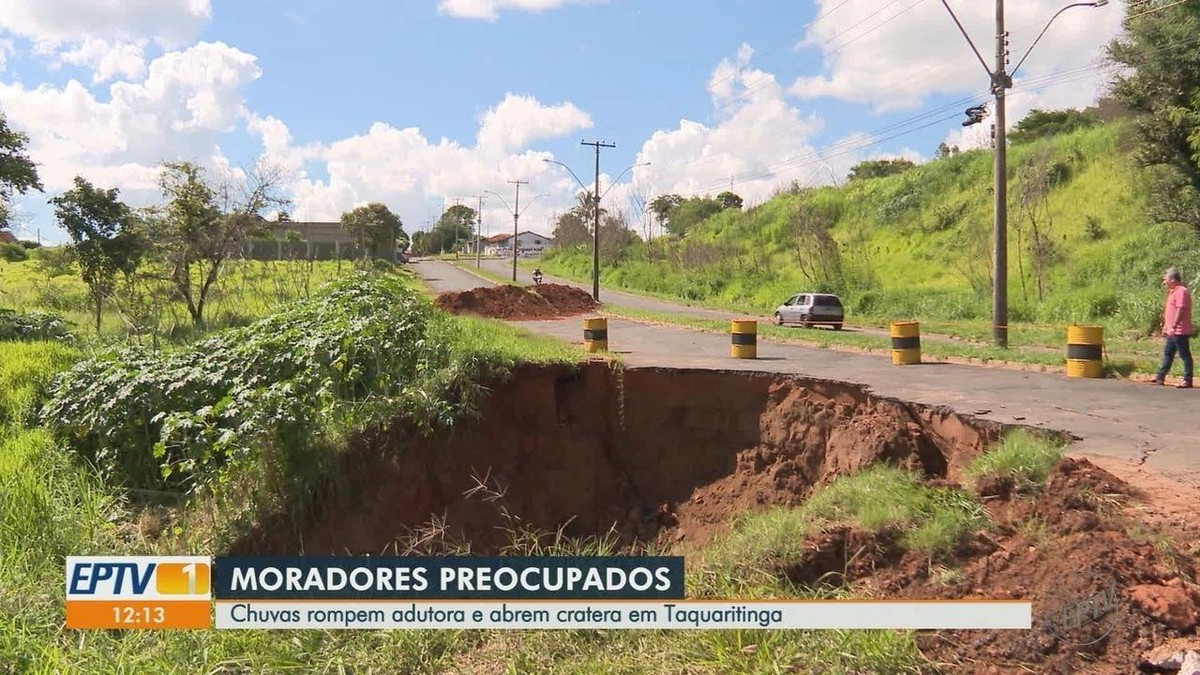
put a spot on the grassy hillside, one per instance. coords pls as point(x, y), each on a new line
point(918, 244)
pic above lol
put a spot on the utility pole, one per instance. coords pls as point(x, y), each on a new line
point(1000, 82)
point(478, 230)
point(596, 226)
point(516, 217)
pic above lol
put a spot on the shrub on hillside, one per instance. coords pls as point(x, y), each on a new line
point(31, 326)
point(13, 252)
point(174, 419)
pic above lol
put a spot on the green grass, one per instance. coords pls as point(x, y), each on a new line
point(884, 498)
point(246, 290)
point(749, 562)
point(1020, 457)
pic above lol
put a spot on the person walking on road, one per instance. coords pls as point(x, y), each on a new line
point(1177, 328)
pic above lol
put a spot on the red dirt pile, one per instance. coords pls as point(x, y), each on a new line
point(543, 301)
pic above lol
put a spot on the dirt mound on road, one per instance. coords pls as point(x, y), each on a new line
point(544, 301)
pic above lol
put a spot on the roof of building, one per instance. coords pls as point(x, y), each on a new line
point(7, 237)
point(505, 237)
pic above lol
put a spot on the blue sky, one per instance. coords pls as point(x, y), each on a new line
point(424, 102)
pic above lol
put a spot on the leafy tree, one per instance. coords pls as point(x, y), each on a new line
point(691, 212)
point(1163, 87)
point(423, 243)
point(615, 238)
point(729, 200)
point(1041, 123)
point(202, 225)
point(18, 173)
point(661, 207)
point(456, 225)
point(571, 229)
point(104, 241)
point(377, 229)
point(943, 151)
point(879, 168)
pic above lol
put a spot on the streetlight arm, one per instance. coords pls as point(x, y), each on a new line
point(618, 178)
point(531, 201)
point(554, 161)
point(968, 37)
point(502, 201)
point(1098, 3)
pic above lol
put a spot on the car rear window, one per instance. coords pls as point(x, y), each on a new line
point(826, 301)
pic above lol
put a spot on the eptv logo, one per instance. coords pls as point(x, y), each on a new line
point(139, 592)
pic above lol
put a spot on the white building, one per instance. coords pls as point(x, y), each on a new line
point(528, 244)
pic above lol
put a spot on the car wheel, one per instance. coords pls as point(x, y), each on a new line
point(837, 326)
point(778, 319)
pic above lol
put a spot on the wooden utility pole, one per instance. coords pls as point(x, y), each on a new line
point(596, 225)
point(516, 217)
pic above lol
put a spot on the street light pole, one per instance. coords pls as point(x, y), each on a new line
point(478, 228)
point(1002, 80)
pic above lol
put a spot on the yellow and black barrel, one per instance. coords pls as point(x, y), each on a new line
point(595, 334)
point(744, 337)
point(1085, 351)
point(906, 343)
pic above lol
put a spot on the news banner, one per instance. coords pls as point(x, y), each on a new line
point(619, 592)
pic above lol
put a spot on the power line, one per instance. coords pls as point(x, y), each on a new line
point(875, 138)
point(790, 39)
point(1154, 9)
point(750, 87)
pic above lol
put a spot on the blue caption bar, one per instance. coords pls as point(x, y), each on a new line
point(462, 578)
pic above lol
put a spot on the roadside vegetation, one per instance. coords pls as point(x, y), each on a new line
point(1101, 201)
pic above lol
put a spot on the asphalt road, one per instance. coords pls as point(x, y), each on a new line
point(1138, 425)
point(503, 267)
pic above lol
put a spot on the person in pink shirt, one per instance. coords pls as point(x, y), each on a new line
point(1177, 328)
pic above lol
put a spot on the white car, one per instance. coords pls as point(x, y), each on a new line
point(811, 309)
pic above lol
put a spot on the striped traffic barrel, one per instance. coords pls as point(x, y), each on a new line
point(595, 334)
point(744, 339)
point(906, 343)
point(1085, 351)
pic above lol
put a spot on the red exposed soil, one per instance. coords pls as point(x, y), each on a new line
point(1071, 544)
point(640, 453)
point(543, 301)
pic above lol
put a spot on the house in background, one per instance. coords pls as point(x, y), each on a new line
point(307, 241)
point(7, 237)
point(528, 244)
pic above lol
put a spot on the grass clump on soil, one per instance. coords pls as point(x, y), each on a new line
point(1020, 459)
point(882, 498)
point(752, 558)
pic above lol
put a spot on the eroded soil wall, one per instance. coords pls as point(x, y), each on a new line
point(587, 449)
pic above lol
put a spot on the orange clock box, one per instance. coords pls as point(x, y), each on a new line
point(139, 592)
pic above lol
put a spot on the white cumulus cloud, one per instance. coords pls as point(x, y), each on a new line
point(892, 57)
point(489, 10)
point(174, 22)
point(187, 102)
point(417, 177)
point(759, 142)
point(519, 120)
